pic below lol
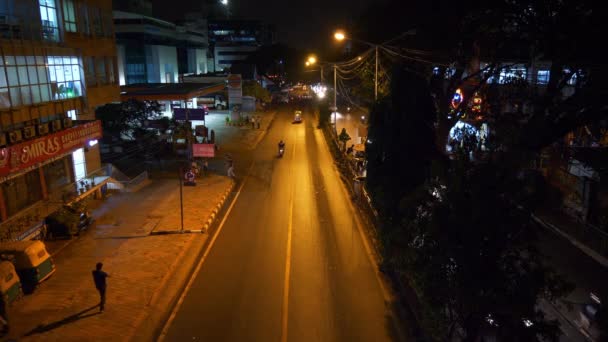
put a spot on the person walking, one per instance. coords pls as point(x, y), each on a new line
point(231, 171)
point(258, 119)
point(252, 122)
point(99, 277)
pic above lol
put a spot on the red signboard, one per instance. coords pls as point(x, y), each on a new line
point(21, 156)
point(203, 150)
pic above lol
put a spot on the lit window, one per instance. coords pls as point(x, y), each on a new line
point(48, 15)
point(65, 77)
point(69, 17)
point(508, 75)
point(542, 77)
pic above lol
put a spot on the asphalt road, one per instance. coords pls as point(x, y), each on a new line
point(289, 263)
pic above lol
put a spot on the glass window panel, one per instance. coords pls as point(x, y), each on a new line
point(66, 60)
point(9, 60)
point(30, 60)
point(15, 96)
point(44, 14)
point(31, 71)
point(26, 95)
point(75, 73)
point(11, 72)
point(51, 73)
point(23, 79)
point(77, 88)
point(3, 83)
point(20, 60)
point(42, 74)
point(40, 60)
point(67, 72)
point(59, 75)
point(35, 94)
point(74, 60)
point(45, 91)
point(57, 60)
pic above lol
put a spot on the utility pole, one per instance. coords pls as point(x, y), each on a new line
point(335, 101)
point(376, 77)
point(321, 74)
point(181, 197)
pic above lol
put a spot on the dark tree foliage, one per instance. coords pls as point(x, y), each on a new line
point(128, 119)
point(401, 141)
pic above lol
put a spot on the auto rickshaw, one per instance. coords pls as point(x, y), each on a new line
point(32, 262)
point(10, 284)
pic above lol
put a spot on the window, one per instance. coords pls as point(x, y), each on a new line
point(65, 77)
point(83, 18)
point(107, 24)
point(72, 114)
point(100, 70)
point(89, 71)
point(48, 15)
point(21, 192)
point(542, 77)
point(69, 17)
point(24, 80)
point(95, 15)
point(509, 75)
point(110, 67)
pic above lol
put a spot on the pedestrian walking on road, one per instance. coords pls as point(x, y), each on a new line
point(231, 171)
point(99, 277)
point(252, 122)
point(258, 119)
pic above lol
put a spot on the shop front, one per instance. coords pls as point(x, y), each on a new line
point(35, 173)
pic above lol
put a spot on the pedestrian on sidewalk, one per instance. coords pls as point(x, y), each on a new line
point(258, 119)
point(252, 122)
point(99, 277)
point(231, 171)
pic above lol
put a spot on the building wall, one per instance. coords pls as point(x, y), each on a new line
point(197, 61)
point(161, 63)
point(58, 63)
point(225, 56)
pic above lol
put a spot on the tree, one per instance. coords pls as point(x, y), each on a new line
point(253, 88)
point(470, 254)
point(127, 120)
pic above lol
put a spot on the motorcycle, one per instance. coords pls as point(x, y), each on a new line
point(281, 151)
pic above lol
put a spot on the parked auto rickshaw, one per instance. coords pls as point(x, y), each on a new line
point(32, 262)
point(10, 284)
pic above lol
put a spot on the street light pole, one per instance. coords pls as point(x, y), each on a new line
point(335, 101)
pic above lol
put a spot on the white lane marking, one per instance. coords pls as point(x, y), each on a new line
point(285, 308)
point(202, 261)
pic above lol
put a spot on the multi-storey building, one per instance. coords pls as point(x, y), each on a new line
point(151, 50)
point(57, 64)
point(232, 41)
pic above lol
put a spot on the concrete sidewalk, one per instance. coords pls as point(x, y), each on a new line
point(141, 266)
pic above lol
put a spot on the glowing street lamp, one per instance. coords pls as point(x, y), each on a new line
point(312, 60)
point(339, 36)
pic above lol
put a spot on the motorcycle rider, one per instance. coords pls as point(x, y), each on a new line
point(281, 145)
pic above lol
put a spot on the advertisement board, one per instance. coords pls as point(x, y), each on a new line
point(21, 156)
point(203, 150)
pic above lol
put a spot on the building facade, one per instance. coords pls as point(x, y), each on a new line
point(57, 64)
point(156, 51)
point(233, 41)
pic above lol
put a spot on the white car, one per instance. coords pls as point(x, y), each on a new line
point(298, 116)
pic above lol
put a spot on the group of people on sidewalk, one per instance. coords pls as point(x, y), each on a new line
point(255, 121)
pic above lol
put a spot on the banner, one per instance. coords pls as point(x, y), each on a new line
point(203, 150)
point(21, 156)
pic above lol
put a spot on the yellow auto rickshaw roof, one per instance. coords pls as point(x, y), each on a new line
point(8, 275)
point(26, 252)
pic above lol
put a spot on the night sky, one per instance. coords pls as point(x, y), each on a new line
point(306, 24)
